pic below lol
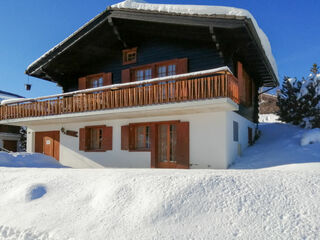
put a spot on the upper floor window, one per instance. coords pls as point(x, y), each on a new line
point(129, 56)
point(155, 70)
point(167, 70)
point(96, 82)
point(143, 74)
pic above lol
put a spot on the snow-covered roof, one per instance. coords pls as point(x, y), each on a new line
point(203, 10)
point(6, 95)
point(139, 5)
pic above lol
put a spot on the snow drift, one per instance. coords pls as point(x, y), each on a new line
point(172, 204)
point(162, 204)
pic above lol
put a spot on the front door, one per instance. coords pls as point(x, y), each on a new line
point(48, 146)
point(48, 143)
point(167, 145)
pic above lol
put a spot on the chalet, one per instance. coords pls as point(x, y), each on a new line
point(150, 85)
point(9, 135)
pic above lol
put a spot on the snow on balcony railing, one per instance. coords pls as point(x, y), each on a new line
point(199, 85)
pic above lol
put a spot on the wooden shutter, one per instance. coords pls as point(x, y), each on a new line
point(82, 139)
point(183, 150)
point(241, 82)
point(107, 138)
point(182, 66)
point(82, 83)
point(125, 75)
point(154, 145)
point(107, 79)
point(125, 137)
point(131, 137)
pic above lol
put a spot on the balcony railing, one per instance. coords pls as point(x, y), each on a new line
point(173, 89)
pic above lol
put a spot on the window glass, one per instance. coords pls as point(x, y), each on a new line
point(162, 71)
point(148, 74)
point(235, 131)
point(98, 82)
point(143, 74)
point(142, 137)
point(95, 138)
point(171, 70)
point(139, 75)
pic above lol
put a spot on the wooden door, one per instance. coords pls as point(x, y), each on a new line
point(48, 143)
point(10, 145)
point(167, 144)
point(170, 145)
point(48, 146)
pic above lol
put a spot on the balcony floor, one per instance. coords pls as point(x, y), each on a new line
point(189, 107)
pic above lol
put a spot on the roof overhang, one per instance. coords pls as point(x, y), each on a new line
point(260, 62)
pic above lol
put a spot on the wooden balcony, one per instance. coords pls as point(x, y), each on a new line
point(179, 88)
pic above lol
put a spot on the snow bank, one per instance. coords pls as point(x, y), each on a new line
point(310, 137)
point(204, 10)
point(172, 204)
point(31, 160)
point(159, 204)
point(279, 147)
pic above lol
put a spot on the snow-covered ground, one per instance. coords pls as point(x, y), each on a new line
point(31, 160)
point(283, 146)
point(273, 192)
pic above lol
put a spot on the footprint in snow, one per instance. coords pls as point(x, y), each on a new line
point(35, 192)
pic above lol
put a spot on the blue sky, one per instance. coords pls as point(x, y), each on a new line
point(30, 28)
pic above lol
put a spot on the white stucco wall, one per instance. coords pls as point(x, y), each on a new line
point(211, 142)
point(236, 148)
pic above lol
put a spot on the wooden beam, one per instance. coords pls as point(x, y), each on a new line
point(116, 32)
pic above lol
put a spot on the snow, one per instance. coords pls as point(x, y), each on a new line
point(14, 100)
point(31, 160)
point(272, 192)
point(310, 137)
point(268, 118)
point(121, 85)
point(280, 148)
point(203, 10)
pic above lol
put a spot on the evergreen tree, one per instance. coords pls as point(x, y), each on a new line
point(299, 101)
point(310, 96)
point(23, 139)
point(288, 102)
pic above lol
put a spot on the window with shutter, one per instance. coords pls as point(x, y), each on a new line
point(95, 80)
point(95, 138)
point(154, 70)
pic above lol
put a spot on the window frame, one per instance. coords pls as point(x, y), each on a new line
point(133, 137)
point(125, 54)
point(154, 69)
